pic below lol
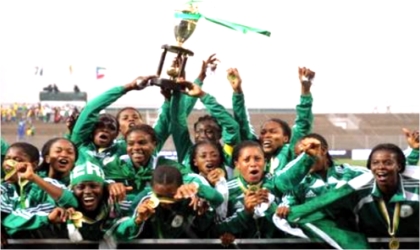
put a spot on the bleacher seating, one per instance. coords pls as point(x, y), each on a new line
point(373, 128)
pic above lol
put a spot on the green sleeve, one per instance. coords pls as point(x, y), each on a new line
point(162, 125)
point(4, 147)
point(20, 220)
point(230, 128)
point(205, 191)
point(412, 156)
point(128, 230)
point(289, 199)
point(85, 123)
point(241, 115)
point(67, 199)
point(293, 173)
point(239, 222)
point(189, 101)
point(304, 120)
point(179, 128)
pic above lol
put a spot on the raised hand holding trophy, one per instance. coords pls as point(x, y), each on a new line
point(183, 29)
point(187, 19)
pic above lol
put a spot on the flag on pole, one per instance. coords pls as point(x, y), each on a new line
point(39, 71)
point(100, 72)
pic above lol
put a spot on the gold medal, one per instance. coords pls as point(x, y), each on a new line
point(394, 243)
point(77, 218)
point(154, 201)
point(392, 229)
point(253, 188)
point(10, 168)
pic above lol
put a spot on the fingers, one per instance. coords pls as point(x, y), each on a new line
point(128, 188)
point(117, 191)
point(262, 195)
point(71, 211)
point(282, 212)
point(194, 203)
point(58, 215)
point(406, 131)
point(186, 191)
point(63, 215)
point(144, 211)
point(21, 167)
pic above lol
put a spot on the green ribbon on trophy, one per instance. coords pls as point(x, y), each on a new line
point(195, 15)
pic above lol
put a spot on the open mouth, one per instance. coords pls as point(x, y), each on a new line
point(88, 201)
point(382, 176)
point(103, 136)
point(137, 155)
point(63, 162)
point(266, 144)
point(254, 172)
point(131, 124)
point(209, 166)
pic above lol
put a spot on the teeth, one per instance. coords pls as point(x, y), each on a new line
point(63, 161)
point(137, 154)
point(266, 143)
point(88, 199)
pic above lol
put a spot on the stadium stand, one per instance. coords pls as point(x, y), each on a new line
point(343, 131)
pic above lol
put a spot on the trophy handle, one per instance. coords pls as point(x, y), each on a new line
point(161, 62)
point(167, 84)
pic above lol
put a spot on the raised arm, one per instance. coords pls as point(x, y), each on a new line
point(412, 153)
point(89, 116)
point(179, 128)
point(189, 101)
point(240, 112)
point(304, 116)
point(59, 193)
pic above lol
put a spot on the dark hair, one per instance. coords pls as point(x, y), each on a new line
point(28, 148)
point(127, 108)
point(391, 148)
point(166, 175)
point(194, 150)
point(108, 118)
point(287, 131)
point(237, 150)
point(45, 151)
point(324, 144)
point(144, 128)
point(207, 118)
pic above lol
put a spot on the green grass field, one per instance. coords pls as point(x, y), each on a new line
point(351, 162)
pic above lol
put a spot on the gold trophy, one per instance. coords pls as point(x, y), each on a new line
point(183, 29)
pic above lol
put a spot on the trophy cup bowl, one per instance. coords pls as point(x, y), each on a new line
point(183, 29)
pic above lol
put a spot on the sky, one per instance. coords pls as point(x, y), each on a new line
point(365, 53)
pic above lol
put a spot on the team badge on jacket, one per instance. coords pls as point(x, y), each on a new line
point(177, 221)
point(406, 210)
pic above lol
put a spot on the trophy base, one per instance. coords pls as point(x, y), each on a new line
point(166, 84)
point(177, 50)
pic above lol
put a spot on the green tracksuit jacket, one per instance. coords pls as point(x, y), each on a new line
point(180, 222)
point(28, 209)
point(181, 134)
point(139, 178)
point(302, 127)
point(84, 127)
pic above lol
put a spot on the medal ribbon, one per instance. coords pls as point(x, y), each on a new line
point(392, 229)
point(244, 189)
